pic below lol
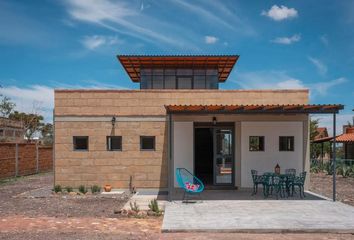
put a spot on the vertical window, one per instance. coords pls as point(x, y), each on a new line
point(212, 82)
point(81, 143)
point(114, 143)
point(170, 82)
point(286, 143)
point(1, 132)
point(157, 82)
point(199, 82)
point(256, 143)
point(147, 143)
point(185, 83)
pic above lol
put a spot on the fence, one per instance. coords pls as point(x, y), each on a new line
point(19, 159)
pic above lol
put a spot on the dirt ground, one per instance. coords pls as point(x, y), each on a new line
point(28, 210)
point(322, 184)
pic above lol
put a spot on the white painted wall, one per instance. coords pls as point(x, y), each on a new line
point(182, 146)
point(265, 161)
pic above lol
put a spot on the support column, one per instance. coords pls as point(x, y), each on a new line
point(334, 157)
point(170, 167)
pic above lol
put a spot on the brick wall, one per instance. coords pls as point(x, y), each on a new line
point(27, 161)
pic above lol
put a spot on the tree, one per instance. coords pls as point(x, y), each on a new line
point(31, 122)
point(315, 148)
point(6, 106)
point(47, 133)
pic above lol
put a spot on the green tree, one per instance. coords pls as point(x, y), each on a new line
point(31, 122)
point(6, 106)
point(47, 133)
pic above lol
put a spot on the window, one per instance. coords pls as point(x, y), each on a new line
point(286, 143)
point(1, 132)
point(81, 143)
point(256, 143)
point(185, 83)
point(114, 143)
point(170, 82)
point(199, 82)
point(147, 143)
point(157, 82)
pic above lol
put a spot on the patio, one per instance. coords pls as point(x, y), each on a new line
point(259, 216)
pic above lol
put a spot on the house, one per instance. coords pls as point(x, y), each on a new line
point(11, 130)
point(321, 133)
point(179, 118)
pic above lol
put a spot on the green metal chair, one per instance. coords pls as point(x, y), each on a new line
point(257, 180)
point(299, 181)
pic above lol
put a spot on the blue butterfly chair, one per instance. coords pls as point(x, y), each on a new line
point(185, 178)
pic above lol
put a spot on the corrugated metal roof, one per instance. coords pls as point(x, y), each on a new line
point(133, 63)
point(269, 108)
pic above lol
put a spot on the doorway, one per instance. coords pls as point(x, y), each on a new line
point(214, 154)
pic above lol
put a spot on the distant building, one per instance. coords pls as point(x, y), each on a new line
point(321, 133)
point(11, 130)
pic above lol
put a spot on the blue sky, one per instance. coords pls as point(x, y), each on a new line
point(73, 44)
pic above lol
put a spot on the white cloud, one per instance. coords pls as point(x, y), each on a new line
point(95, 41)
point(126, 18)
point(323, 87)
point(280, 13)
point(268, 80)
point(32, 99)
point(287, 40)
point(327, 121)
point(210, 39)
point(321, 67)
point(281, 80)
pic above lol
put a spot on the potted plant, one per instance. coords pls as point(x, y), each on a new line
point(107, 188)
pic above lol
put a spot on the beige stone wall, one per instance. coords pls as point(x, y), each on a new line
point(148, 169)
point(151, 102)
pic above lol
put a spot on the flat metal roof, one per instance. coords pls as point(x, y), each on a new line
point(134, 63)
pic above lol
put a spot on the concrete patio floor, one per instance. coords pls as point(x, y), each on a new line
point(259, 216)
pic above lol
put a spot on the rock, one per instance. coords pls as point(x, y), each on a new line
point(73, 193)
point(117, 211)
point(141, 214)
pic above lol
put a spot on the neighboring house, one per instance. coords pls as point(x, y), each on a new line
point(179, 118)
point(321, 133)
point(11, 130)
point(347, 138)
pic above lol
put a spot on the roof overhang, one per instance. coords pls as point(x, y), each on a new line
point(255, 109)
point(134, 63)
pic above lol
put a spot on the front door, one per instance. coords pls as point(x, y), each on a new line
point(223, 156)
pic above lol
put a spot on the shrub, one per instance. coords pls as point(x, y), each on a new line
point(134, 206)
point(82, 189)
point(95, 189)
point(69, 189)
point(57, 188)
point(154, 206)
point(344, 170)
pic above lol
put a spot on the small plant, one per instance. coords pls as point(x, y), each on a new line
point(134, 207)
point(82, 189)
point(345, 170)
point(154, 206)
point(68, 189)
point(57, 188)
point(95, 189)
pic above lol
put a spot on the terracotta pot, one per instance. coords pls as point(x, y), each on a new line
point(107, 188)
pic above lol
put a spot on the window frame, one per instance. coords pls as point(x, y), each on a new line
point(263, 145)
point(292, 147)
point(154, 143)
point(81, 150)
point(114, 150)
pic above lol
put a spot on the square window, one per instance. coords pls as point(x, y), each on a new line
point(185, 83)
point(147, 143)
point(114, 143)
point(256, 143)
point(199, 82)
point(286, 143)
point(80, 143)
point(170, 82)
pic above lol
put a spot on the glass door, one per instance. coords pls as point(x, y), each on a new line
point(223, 156)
